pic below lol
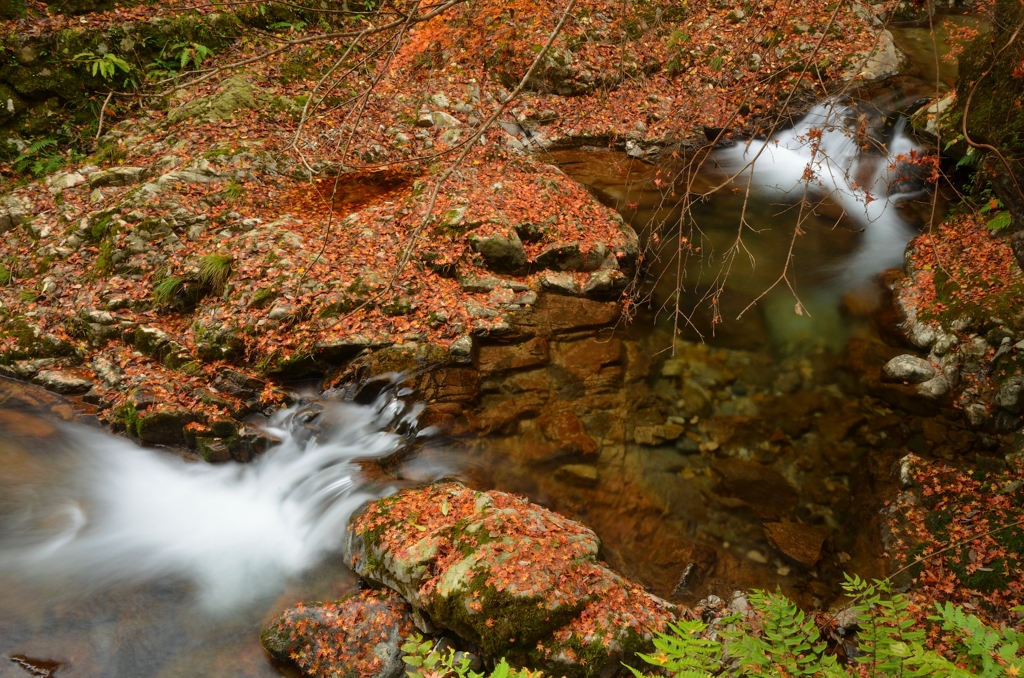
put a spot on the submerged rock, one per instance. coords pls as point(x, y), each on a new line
point(802, 543)
point(359, 636)
point(516, 579)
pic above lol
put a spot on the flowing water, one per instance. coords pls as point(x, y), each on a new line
point(118, 560)
point(122, 561)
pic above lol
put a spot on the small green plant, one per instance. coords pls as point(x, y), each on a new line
point(424, 661)
point(104, 65)
point(778, 639)
point(190, 53)
point(39, 159)
point(176, 57)
point(233, 191)
point(166, 292)
point(1000, 219)
point(214, 270)
point(288, 26)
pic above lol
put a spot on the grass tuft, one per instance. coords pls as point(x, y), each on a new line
point(214, 270)
point(167, 290)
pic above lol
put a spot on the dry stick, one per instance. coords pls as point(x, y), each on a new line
point(330, 71)
point(315, 10)
point(750, 164)
point(344, 151)
point(207, 74)
point(967, 108)
point(358, 97)
point(938, 147)
point(407, 253)
point(103, 109)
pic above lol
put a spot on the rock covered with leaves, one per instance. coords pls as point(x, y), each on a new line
point(514, 578)
point(359, 636)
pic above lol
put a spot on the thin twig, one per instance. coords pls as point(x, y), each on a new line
point(408, 250)
point(103, 109)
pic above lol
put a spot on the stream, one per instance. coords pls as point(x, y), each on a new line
point(750, 451)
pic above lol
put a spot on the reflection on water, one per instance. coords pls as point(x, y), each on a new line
point(927, 47)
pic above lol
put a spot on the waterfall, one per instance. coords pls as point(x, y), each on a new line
point(111, 512)
point(821, 157)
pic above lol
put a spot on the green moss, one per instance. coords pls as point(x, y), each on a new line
point(31, 343)
point(11, 9)
point(262, 297)
point(519, 621)
point(993, 114)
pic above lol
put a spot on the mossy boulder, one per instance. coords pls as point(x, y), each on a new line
point(235, 94)
point(359, 636)
point(157, 425)
point(502, 253)
point(516, 579)
point(21, 339)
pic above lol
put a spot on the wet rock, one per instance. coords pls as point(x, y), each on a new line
point(61, 382)
point(694, 400)
point(977, 414)
point(502, 357)
point(934, 388)
point(25, 369)
point(359, 636)
point(500, 253)
point(910, 369)
point(238, 384)
point(566, 431)
point(571, 258)
point(658, 434)
point(513, 578)
point(213, 450)
point(582, 475)
point(802, 543)
point(117, 176)
point(161, 426)
point(760, 486)
point(462, 348)
point(556, 313)
point(1010, 394)
point(560, 283)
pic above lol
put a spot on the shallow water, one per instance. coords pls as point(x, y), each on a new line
point(772, 422)
point(927, 47)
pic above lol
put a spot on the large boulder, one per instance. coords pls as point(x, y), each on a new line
point(359, 636)
point(516, 579)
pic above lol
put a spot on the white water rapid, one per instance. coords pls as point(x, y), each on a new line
point(114, 512)
point(821, 157)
